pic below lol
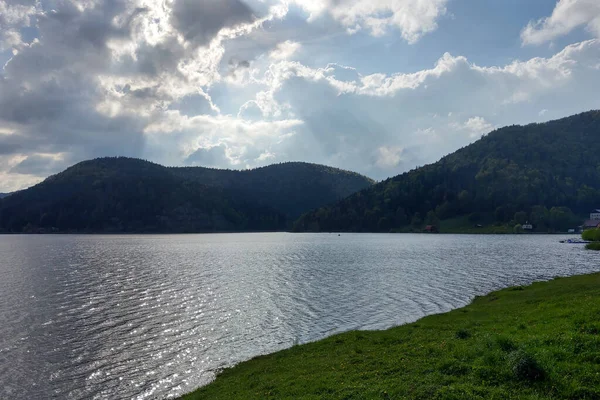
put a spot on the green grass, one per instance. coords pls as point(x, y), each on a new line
point(591, 234)
point(594, 236)
point(536, 342)
point(593, 246)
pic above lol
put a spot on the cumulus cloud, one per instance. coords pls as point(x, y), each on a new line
point(228, 84)
point(388, 123)
point(517, 81)
point(388, 157)
point(48, 93)
point(14, 15)
point(567, 15)
point(225, 141)
point(284, 50)
point(99, 73)
point(40, 164)
point(413, 18)
point(215, 156)
point(477, 126)
point(200, 20)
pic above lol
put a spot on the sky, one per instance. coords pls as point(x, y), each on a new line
point(374, 86)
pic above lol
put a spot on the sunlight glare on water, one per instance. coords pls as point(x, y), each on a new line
point(154, 316)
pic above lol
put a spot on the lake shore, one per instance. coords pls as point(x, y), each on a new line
point(532, 342)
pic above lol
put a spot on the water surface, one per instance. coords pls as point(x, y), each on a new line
point(150, 316)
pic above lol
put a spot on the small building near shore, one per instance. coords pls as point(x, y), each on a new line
point(431, 229)
point(595, 215)
point(527, 226)
point(591, 224)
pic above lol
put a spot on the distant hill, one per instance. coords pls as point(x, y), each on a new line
point(292, 188)
point(3, 195)
point(548, 174)
point(130, 195)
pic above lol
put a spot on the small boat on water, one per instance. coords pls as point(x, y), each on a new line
point(575, 241)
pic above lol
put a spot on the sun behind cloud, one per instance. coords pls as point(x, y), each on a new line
point(238, 84)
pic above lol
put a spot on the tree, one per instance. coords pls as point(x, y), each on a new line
point(515, 169)
point(539, 217)
point(562, 218)
point(520, 217)
point(416, 221)
point(401, 217)
point(384, 224)
point(518, 228)
point(432, 219)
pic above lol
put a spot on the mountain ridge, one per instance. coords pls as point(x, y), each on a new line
point(121, 194)
point(528, 169)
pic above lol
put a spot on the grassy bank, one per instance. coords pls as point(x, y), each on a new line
point(534, 342)
point(594, 236)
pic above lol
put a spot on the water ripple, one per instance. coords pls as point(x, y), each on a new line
point(144, 317)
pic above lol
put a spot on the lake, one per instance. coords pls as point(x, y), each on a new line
point(154, 316)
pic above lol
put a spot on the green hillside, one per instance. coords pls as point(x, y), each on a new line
point(131, 195)
point(548, 174)
point(291, 188)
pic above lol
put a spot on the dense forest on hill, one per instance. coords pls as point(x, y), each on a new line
point(548, 174)
point(291, 188)
point(130, 195)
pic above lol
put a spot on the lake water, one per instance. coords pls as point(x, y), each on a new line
point(150, 316)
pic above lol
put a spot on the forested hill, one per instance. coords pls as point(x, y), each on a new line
point(544, 173)
point(292, 188)
point(131, 195)
point(3, 195)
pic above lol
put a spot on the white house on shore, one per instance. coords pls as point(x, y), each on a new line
point(595, 215)
point(527, 226)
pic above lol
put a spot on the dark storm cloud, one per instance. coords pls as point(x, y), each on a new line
point(54, 102)
point(200, 20)
point(50, 91)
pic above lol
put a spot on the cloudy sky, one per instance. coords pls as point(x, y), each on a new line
point(375, 86)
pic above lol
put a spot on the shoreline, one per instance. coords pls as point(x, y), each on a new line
point(292, 232)
point(461, 353)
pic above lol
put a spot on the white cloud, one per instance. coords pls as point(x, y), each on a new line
point(567, 15)
point(224, 141)
point(354, 120)
point(285, 50)
point(388, 157)
point(514, 83)
point(15, 14)
point(12, 181)
point(128, 77)
point(478, 126)
point(413, 18)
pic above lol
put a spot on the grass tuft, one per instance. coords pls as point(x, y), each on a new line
point(506, 344)
point(593, 246)
point(525, 367)
point(462, 334)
